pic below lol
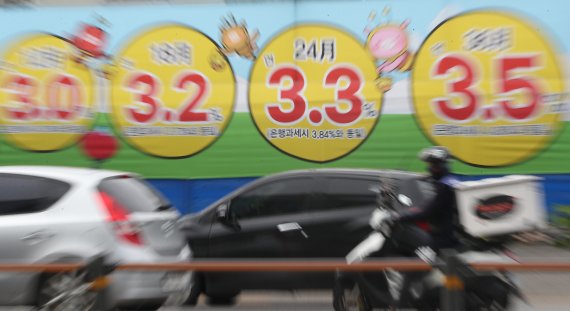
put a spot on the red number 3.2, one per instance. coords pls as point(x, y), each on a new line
point(147, 88)
point(146, 97)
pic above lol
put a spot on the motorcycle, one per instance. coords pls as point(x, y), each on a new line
point(365, 291)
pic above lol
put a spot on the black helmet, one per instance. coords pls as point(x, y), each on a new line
point(436, 154)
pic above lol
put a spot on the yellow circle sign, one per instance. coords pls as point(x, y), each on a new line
point(47, 100)
point(488, 86)
point(312, 93)
point(173, 93)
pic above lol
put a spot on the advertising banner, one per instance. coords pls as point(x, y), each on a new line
point(253, 88)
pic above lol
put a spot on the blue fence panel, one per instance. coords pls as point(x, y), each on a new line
point(557, 191)
point(190, 196)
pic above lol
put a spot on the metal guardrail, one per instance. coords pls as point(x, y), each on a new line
point(450, 264)
point(290, 266)
point(53, 267)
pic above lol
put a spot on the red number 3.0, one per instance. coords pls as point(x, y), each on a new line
point(24, 89)
point(59, 107)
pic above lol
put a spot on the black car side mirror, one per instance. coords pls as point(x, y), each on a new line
point(222, 212)
point(223, 216)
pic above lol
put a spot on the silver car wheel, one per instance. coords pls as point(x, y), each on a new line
point(66, 292)
point(179, 298)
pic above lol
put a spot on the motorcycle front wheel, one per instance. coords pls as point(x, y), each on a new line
point(350, 299)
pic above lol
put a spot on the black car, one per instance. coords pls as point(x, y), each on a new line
point(320, 213)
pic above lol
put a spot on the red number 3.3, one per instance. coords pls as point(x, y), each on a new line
point(299, 103)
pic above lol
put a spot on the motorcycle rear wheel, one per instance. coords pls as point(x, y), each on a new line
point(502, 302)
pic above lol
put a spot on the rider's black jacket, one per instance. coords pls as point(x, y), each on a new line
point(440, 212)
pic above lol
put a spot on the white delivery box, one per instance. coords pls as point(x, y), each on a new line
point(501, 206)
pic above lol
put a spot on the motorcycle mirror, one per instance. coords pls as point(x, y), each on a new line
point(404, 200)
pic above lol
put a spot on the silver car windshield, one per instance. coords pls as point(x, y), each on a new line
point(135, 194)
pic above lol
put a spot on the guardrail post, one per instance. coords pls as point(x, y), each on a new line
point(452, 295)
point(97, 274)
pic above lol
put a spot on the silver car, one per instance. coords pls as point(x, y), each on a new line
point(58, 215)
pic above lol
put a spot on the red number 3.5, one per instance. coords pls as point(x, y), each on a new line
point(507, 84)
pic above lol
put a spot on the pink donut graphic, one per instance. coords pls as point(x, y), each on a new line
point(387, 42)
point(396, 64)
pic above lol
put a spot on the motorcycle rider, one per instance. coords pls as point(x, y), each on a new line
point(406, 238)
point(439, 213)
